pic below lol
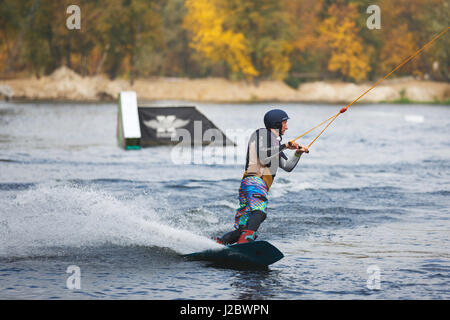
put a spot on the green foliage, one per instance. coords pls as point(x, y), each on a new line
point(292, 82)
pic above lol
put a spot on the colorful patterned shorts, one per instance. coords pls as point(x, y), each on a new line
point(252, 196)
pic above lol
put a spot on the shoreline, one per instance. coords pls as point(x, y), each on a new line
point(64, 85)
point(180, 101)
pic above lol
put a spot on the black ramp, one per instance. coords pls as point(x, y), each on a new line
point(165, 125)
point(255, 253)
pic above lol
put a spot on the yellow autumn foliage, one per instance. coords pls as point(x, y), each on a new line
point(205, 21)
point(398, 45)
point(340, 32)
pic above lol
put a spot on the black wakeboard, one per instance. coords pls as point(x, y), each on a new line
point(250, 254)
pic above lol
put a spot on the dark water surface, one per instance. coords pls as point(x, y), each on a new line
point(373, 194)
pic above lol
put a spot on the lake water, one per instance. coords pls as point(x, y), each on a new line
point(364, 215)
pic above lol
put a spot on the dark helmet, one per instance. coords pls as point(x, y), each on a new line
point(274, 118)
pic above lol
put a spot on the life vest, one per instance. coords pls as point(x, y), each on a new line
point(254, 166)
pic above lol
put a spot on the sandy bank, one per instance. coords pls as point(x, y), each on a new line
point(64, 84)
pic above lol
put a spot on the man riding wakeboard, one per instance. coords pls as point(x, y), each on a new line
point(264, 156)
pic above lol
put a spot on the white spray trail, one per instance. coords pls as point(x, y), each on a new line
point(72, 216)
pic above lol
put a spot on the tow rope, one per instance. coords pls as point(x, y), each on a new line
point(332, 118)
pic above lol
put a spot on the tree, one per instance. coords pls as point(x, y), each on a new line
point(12, 28)
point(408, 25)
point(307, 56)
point(436, 17)
point(339, 30)
point(265, 25)
point(236, 39)
point(132, 31)
point(175, 53)
point(206, 21)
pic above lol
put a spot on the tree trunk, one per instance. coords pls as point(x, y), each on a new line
point(102, 60)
